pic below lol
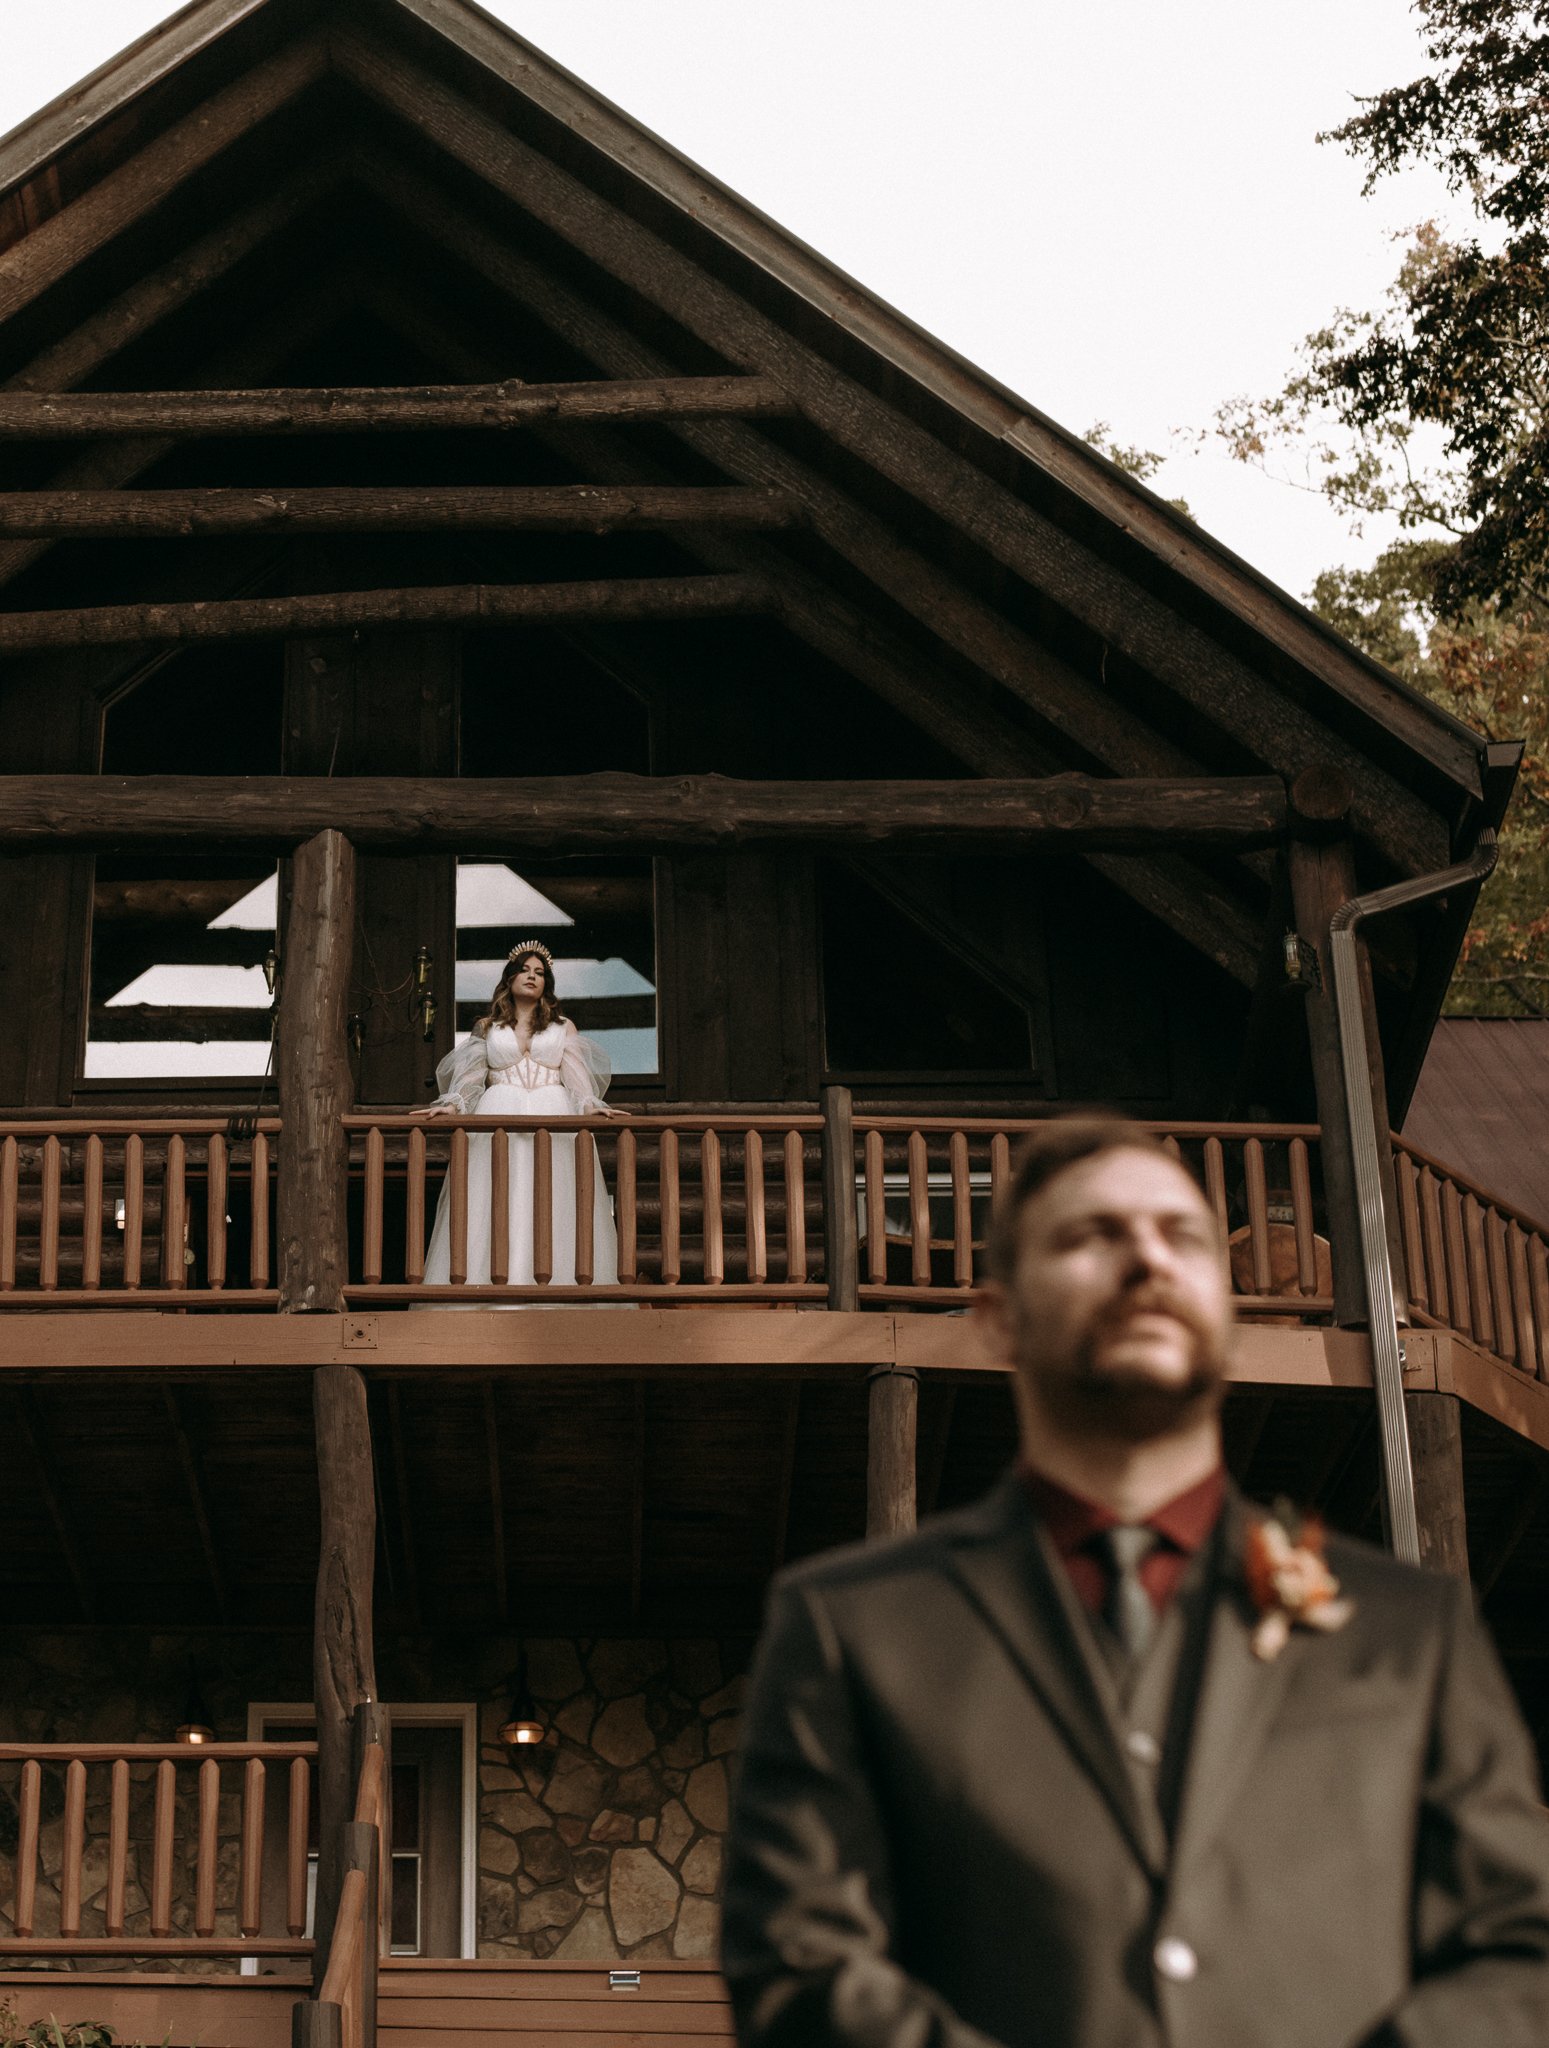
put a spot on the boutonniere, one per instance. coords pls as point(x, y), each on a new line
point(1289, 1581)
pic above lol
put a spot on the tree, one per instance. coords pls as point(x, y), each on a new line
point(1434, 407)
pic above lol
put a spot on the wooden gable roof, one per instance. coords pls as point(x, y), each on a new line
point(1011, 596)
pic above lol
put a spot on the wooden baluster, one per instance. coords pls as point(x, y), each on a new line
point(756, 1225)
point(258, 1187)
point(118, 1848)
point(457, 1173)
point(1000, 1166)
point(29, 1816)
point(296, 1846)
point(585, 1207)
point(672, 1214)
point(628, 1221)
point(174, 1214)
point(795, 1207)
point(962, 1213)
point(1501, 1315)
point(1435, 1246)
point(207, 1851)
point(48, 1227)
point(1522, 1299)
point(543, 1206)
point(499, 1207)
point(1172, 1147)
point(251, 1911)
point(876, 1210)
point(1258, 1214)
point(714, 1230)
point(1409, 1221)
point(919, 1211)
point(1301, 1217)
point(161, 1847)
point(375, 1208)
point(10, 1203)
point(1457, 1257)
point(1478, 1270)
point(134, 1208)
point(91, 1214)
point(1215, 1185)
point(1538, 1273)
point(74, 1851)
point(215, 1178)
point(414, 1210)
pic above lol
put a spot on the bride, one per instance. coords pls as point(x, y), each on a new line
point(525, 1058)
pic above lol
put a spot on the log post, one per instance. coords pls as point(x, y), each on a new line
point(893, 1399)
point(343, 1649)
point(1435, 1423)
point(315, 2025)
point(314, 1076)
point(1322, 871)
point(841, 1238)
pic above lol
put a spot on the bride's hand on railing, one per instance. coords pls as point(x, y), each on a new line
point(438, 1109)
point(608, 1109)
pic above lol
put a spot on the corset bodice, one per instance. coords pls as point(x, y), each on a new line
point(538, 1067)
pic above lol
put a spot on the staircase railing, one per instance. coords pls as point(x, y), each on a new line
point(343, 2013)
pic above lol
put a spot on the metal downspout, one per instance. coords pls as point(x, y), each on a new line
point(1398, 1481)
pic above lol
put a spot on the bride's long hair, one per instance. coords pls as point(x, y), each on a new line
point(502, 1008)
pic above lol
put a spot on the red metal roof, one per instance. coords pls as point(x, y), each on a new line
point(1482, 1106)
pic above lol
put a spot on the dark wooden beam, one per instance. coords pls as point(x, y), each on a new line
point(347, 611)
point(29, 1428)
point(162, 1023)
point(639, 812)
point(1435, 1423)
point(115, 203)
point(193, 1479)
point(1125, 616)
point(313, 1067)
point(497, 1506)
point(408, 1549)
point(40, 414)
point(790, 1435)
point(892, 1414)
point(440, 508)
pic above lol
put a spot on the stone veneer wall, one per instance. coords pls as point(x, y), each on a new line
point(604, 1844)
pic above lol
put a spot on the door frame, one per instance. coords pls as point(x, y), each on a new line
point(416, 1714)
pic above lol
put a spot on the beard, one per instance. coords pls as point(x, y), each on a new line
point(1091, 1392)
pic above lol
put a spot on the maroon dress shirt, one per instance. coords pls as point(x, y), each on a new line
point(1183, 1526)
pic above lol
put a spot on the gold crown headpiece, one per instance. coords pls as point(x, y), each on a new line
point(527, 946)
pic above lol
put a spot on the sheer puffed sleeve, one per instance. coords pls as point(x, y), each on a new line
point(463, 1076)
point(585, 1070)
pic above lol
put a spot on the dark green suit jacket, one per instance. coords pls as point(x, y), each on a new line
point(939, 1842)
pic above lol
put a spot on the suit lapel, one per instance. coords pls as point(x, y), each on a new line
point(1239, 1696)
point(1010, 1577)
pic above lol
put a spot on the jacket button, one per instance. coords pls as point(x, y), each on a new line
point(1144, 1748)
point(1175, 1960)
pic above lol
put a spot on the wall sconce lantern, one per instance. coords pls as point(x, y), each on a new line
point(524, 1727)
point(271, 970)
point(198, 1723)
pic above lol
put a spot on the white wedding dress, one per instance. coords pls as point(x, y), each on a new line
point(561, 1074)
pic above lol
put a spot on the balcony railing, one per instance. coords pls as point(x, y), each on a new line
point(707, 1205)
point(121, 1849)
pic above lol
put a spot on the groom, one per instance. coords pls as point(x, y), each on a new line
point(1111, 1760)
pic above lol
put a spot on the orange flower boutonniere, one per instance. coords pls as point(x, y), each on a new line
point(1289, 1582)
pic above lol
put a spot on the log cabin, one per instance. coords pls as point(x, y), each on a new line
point(434, 513)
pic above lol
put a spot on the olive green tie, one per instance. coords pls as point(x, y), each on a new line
point(1127, 1607)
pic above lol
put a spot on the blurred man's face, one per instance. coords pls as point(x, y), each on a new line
point(1118, 1316)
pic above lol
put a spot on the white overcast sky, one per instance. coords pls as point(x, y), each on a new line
point(1116, 207)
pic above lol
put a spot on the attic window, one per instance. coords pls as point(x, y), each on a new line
point(177, 977)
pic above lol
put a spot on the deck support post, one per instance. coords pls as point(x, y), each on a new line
point(1435, 1423)
point(1322, 871)
point(893, 1402)
point(315, 1088)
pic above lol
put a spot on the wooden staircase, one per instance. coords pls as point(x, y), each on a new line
point(428, 2004)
